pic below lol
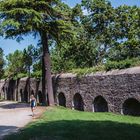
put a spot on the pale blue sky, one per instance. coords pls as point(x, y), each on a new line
point(115, 3)
point(11, 45)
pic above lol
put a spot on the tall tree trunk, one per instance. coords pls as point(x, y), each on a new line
point(29, 84)
point(44, 99)
point(46, 71)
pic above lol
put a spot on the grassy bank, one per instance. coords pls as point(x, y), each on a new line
point(63, 124)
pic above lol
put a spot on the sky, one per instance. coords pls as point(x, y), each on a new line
point(115, 3)
point(9, 45)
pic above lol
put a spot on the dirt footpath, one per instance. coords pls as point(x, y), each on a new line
point(14, 116)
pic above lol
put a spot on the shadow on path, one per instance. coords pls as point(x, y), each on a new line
point(5, 130)
point(14, 105)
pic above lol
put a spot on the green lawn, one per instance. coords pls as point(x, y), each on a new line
point(64, 124)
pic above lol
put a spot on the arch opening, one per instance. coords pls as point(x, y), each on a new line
point(26, 96)
point(131, 107)
point(100, 104)
point(21, 95)
point(78, 102)
point(32, 92)
point(62, 99)
point(40, 97)
point(3, 89)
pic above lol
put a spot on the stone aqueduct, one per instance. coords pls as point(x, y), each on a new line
point(114, 91)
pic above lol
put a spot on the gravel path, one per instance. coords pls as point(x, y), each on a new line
point(14, 116)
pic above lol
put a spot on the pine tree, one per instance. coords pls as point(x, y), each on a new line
point(22, 17)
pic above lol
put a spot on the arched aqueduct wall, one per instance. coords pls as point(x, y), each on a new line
point(114, 87)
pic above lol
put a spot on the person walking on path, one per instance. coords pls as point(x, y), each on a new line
point(32, 103)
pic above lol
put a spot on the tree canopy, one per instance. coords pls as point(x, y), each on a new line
point(104, 34)
point(21, 17)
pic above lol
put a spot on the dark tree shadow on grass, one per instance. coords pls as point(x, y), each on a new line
point(79, 130)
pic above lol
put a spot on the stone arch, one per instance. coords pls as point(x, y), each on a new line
point(7, 95)
point(3, 92)
point(32, 92)
point(21, 95)
point(62, 99)
point(131, 106)
point(40, 97)
point(100, 104)
point(26, 96)
point(78, 102)
point(3, 89)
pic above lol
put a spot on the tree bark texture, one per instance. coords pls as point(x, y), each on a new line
point(47, 87)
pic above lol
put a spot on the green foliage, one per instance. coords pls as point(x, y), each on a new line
point(15, 64)
point(32, 59)
point(127, 63)
point(104, 35)
point(23, 17)
point(19, 75)
point(117, 29)
point(117, 65)
point(28, 56)
point(61, 61)
point(99, 21)
point(59, 123)
point(22, 63)
point(82, 72)
point(79, 52)
point(37, 73)
point(126, 33)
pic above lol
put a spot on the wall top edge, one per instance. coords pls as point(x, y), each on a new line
point(133, 70)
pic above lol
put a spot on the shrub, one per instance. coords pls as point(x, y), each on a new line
point(84, 71)
point(122, 64)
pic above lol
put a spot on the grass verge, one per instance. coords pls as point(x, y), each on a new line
point(64, 124)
